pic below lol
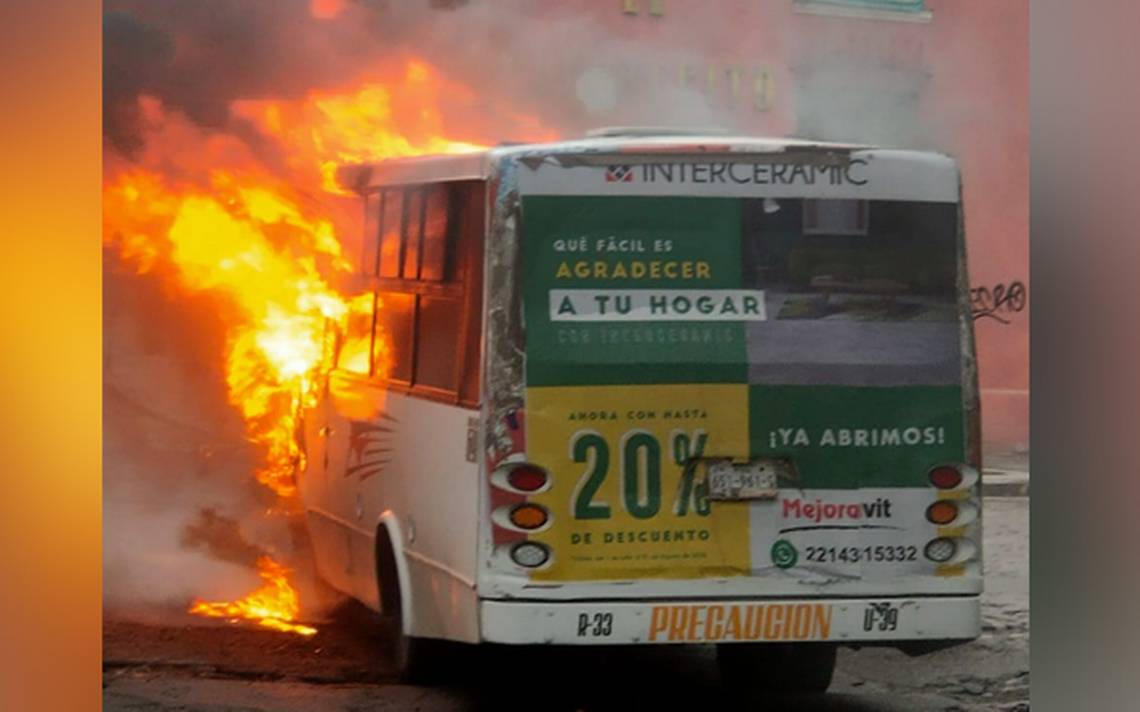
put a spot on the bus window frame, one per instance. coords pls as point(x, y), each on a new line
point(462, 282)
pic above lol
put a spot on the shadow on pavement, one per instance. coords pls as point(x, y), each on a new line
point(610, 678)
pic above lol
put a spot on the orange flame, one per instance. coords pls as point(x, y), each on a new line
point(206, 207)
point(377, 120)
point(277, 342)
point(275, 605)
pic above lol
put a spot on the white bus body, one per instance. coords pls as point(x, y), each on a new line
point(406, 479)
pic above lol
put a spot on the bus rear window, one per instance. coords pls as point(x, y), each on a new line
point(851, 259)
point(691, 289)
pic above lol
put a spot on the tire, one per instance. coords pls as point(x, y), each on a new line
point(412, 657)
point(780, 668)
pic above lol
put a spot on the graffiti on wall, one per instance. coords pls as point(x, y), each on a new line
point(999, 302)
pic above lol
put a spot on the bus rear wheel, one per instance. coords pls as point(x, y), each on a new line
point(413, 658)
point(776, 667)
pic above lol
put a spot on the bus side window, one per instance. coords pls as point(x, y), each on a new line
point(433, 267)
point(392, 223)
point(428, 321)
point(353, 353)
point(413, 232)
point(392, 346)
point(436, 346)
point(373, 204)
point(467, 209)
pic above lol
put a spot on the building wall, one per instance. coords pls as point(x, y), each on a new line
point(952, 76)
point(967, 67)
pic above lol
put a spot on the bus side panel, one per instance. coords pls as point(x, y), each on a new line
point(393, 441)
point(328, 537)
point(426, 480)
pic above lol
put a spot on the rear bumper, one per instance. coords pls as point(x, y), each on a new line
point(727, 621)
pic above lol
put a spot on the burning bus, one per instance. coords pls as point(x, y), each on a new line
point(657, 387)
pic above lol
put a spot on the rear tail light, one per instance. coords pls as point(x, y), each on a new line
point(527, 478)
point(940, 550)
point(942, 512)
point(530, 554)
point(945, 477)
point(529, 516)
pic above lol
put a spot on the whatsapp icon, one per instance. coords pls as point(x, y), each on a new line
point(784, 555)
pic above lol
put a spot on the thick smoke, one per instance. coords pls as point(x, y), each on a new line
point(197, 57)
point(180, 506)
point(864, 86)
point(571, 71)
point(557, 62)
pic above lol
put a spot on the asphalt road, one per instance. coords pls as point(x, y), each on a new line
point(195, 667)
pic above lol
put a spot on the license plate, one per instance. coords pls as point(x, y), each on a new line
point(758, 479)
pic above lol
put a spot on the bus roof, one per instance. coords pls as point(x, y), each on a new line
point(639, 144)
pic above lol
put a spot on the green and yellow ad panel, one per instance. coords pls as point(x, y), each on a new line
point(663, 329)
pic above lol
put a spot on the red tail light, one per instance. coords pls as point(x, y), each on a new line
point(945, 477)
point(528, 478)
